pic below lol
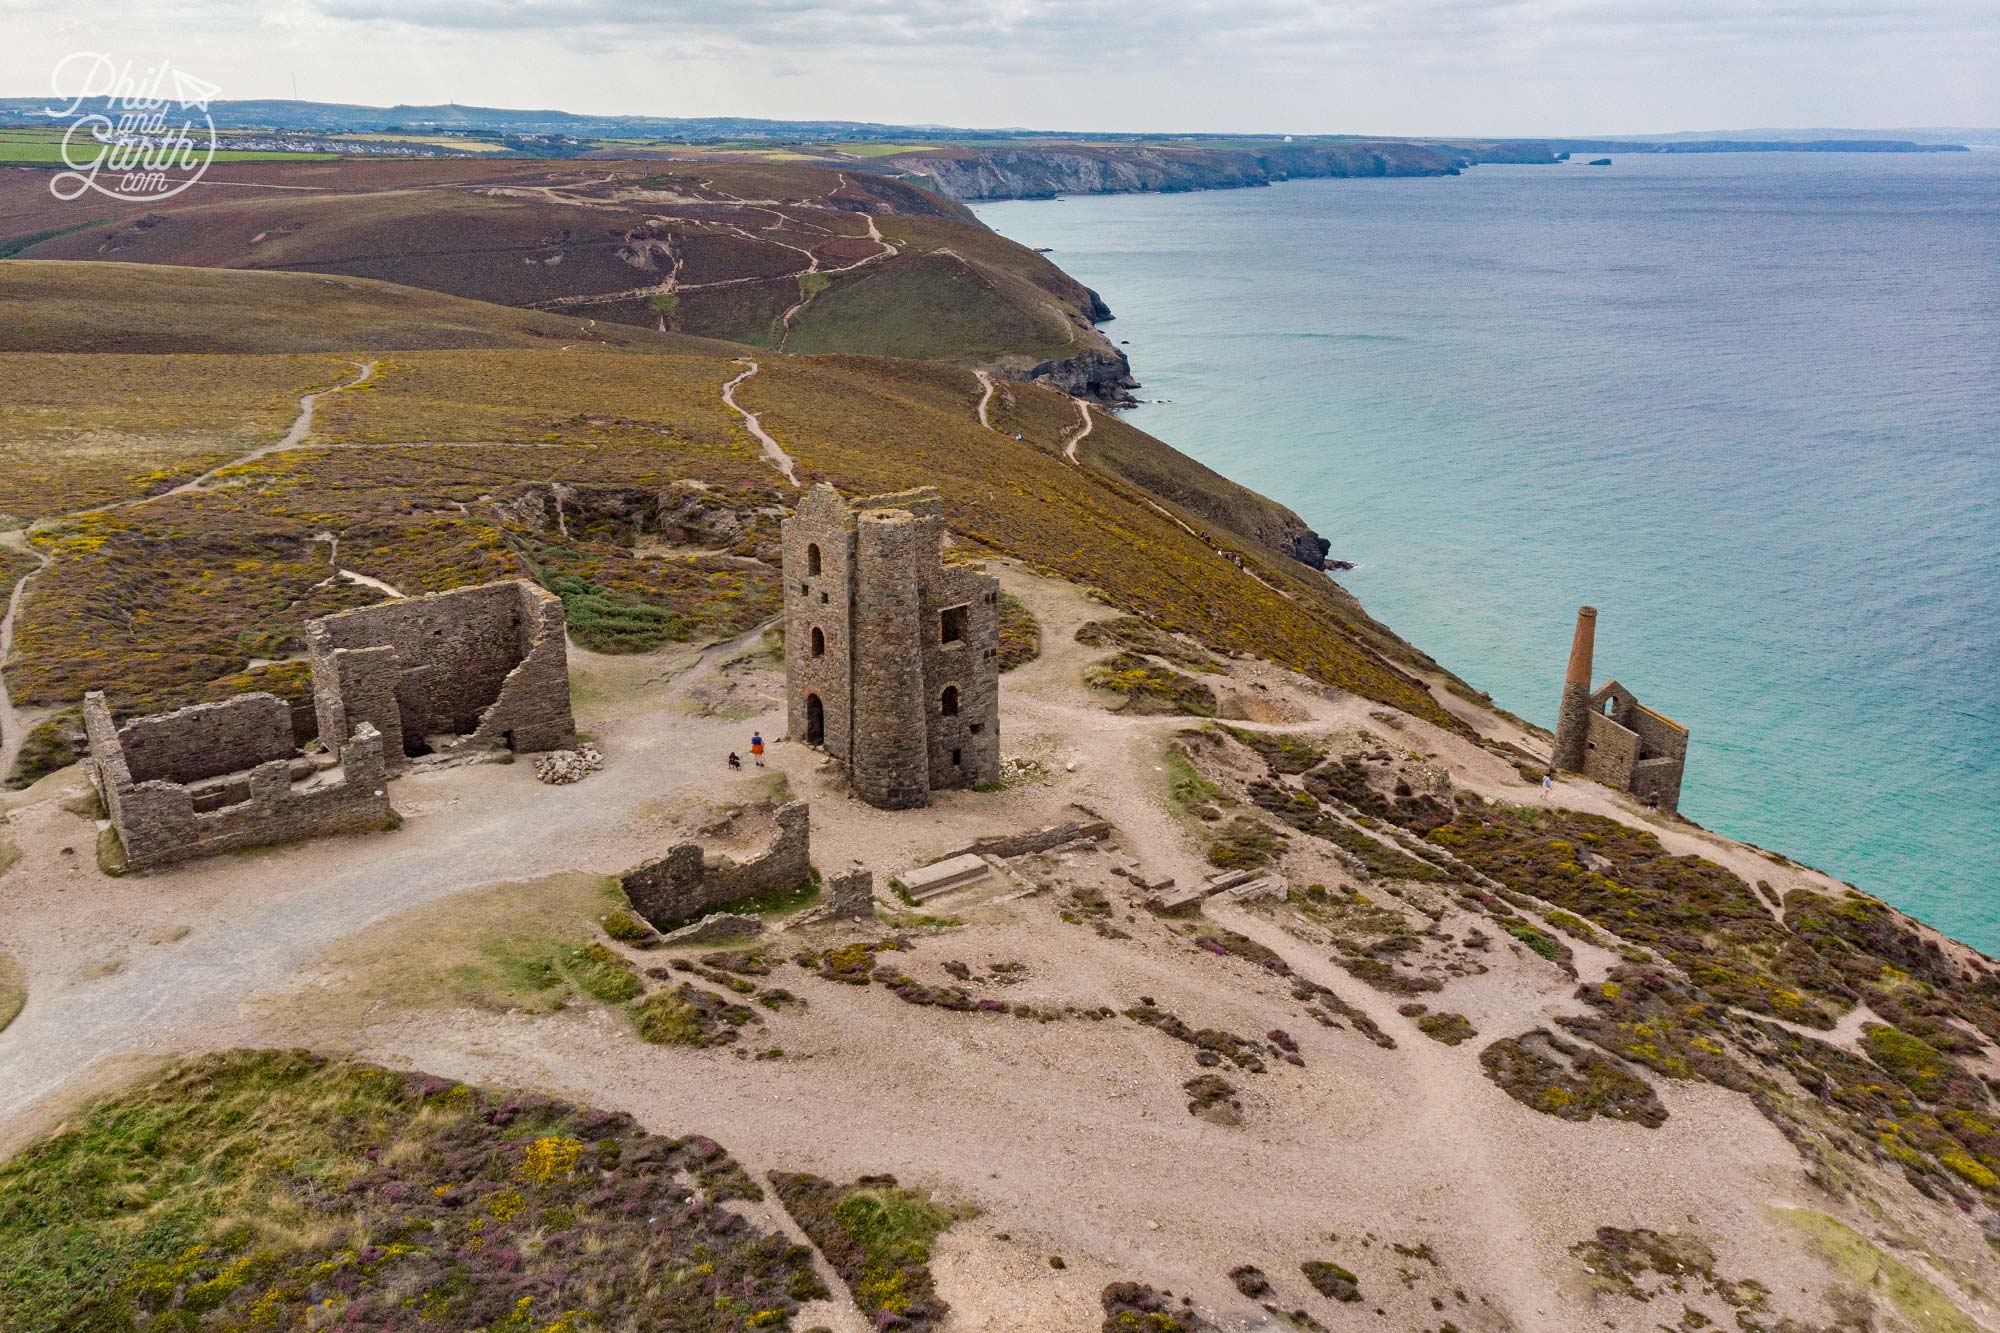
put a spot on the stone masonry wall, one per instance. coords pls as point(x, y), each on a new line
point(208, 740)
point(1610, 750)
point(1659, 744)
point(965, 747)
point(822, 601)
point(685, 883)
point(890, 767)
point(488, 665)
point(157, 821)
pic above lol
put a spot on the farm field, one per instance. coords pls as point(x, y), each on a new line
point(43, 147)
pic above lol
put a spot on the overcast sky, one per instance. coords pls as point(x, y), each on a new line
point(1517, 67)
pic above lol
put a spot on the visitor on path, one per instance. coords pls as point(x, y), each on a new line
point(1546, 786)
point(757, 747)
point(735, 761)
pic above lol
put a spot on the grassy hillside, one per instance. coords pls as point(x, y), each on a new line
point(156, 308)
point(768, 254)
point(253, 1190)
point(442, 470)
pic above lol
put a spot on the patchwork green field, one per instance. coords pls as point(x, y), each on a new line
point(44, 147)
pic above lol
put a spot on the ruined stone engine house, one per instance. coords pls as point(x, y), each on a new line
point(1610, 737)
point(220, 777)
point(475, 668)
point(891, 655)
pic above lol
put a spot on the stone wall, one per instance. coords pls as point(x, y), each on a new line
point(890, 763)
point(685, 882)
point(485, 667)
point(208, 740)
point(1609, 751)
point(265, 798)
point(819, 674)
point(871, 672)
point(1047, 838)
point(964, 745)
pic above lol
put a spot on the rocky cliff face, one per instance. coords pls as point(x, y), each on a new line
point(1103, 375)
point(1043, 172)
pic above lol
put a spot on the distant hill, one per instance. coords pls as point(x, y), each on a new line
point(781, 256)
point(1727, 145)
point(288, 114)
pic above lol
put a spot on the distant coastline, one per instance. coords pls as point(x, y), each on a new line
point(1040, 170)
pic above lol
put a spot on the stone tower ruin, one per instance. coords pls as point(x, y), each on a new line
point(1609, 736)
point(891, 655)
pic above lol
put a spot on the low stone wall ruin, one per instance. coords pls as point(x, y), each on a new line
point(1009, 845)
point(221, 777)
point(686, 882)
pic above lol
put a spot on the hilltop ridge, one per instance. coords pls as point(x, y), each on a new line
point(783, 257)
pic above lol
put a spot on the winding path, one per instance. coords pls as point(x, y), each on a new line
point(1089, 424)
point(776, 454)
point(294, 437)
point(986, 391)
point(13, 724)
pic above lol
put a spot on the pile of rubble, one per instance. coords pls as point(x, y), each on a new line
point(1019, 771)
point(564, 766)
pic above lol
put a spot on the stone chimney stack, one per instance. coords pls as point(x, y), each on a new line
point(1572, 718)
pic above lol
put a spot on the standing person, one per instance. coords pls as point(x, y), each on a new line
point(1546, 786)
point(757, 748)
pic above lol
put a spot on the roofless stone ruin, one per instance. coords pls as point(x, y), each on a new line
point(1612, 738)
point(454, 674)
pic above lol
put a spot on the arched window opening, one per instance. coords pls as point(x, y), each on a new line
point(949, 706)
point(812, 558)
point(819, 642)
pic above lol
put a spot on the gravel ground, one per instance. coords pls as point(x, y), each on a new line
point(1072, 1138)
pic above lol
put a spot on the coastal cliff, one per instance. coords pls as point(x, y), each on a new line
point(1046, 171)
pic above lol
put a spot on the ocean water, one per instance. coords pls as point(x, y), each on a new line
point(1748, 405)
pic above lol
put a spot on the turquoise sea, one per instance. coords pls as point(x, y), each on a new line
point(1746, 404)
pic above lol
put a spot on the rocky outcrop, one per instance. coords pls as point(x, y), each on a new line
point(1101, 374)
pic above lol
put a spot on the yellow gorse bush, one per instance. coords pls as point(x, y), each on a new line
point(550, 1157)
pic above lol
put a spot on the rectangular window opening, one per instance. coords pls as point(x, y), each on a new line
point(951, 625)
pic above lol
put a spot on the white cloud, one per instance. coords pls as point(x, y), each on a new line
point(1385, 66)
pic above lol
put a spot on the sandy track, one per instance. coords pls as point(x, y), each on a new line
point(986, 391)
point(1087, 424)
point(772, 449)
